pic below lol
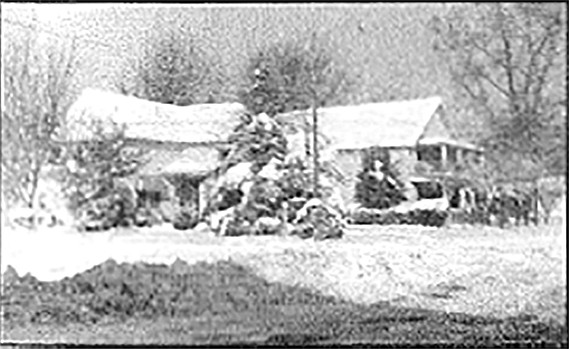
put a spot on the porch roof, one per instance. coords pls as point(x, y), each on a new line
point(448, 141)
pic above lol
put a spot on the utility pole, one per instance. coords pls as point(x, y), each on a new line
point(314, 119)
point(315, 143)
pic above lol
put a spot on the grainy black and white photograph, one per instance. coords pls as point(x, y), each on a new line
point(360, 174)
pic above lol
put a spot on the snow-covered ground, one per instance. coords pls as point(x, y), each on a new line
point(478, 270)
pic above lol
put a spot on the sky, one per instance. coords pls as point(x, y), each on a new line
point(385, 48)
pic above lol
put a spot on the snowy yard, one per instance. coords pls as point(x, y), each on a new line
point(476, 270)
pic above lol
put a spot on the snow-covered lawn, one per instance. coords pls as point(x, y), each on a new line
point(477, 270)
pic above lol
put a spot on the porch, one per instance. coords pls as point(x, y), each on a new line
point(442, 156)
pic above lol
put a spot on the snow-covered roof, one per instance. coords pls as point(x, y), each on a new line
point(389, 124)
point(142, 119)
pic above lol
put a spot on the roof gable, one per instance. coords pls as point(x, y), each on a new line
point(435, 130)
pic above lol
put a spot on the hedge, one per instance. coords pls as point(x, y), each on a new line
point(433, 218)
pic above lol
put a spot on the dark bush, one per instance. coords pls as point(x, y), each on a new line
point(363, 216)
point(319, 223)
point(106, 212)
point(435, 218)
point(296, 180)
point(378, 184)
point(265, 198)
point(374, 193)
point(185, 220)
point(229, 198)
point(238, 225)
point(143, 217)
point(294, 205)
point(304, 231)
point(93, 186)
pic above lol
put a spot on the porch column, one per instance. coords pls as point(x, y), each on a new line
point(459, 153)
point(444, 156)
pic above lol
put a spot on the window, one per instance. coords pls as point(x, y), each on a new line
point(452, 155)
point(431, 155)
point(148, 198)
point(429, 190)
point(455, 198)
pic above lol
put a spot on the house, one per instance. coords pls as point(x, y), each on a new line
point(413, 132)
point(181, 144)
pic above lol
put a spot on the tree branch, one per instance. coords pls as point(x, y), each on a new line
point(479, 72)
point(508, 67)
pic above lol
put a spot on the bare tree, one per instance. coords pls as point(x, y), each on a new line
point(173, 70)
point(292, 76)
point(509, 61)
point(35, 97)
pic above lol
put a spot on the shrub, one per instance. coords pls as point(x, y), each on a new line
point(185, 220)
point(294, 205)
point(94, 216)
point(304, 230)
point(265, 198)
point(105, 212)
point(94, 193)
point(326, 225)
point(238, 225)
point(319, 223)
point(143, 217)
point(378, 187)
point(435, 218)
point(229, 198)
point(296, 181)
point(268, 226)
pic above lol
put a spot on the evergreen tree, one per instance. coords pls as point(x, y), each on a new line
point(378, 185)
point(258, 139)
point(93, 170)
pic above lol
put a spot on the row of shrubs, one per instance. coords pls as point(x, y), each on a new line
point(100, 219)
point(316, 222)
point(111, 212)
point(118, 211)
point(433, 218)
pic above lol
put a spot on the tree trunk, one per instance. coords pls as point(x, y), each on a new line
point(307, 151)
point(536, 204)
point(34, 200)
